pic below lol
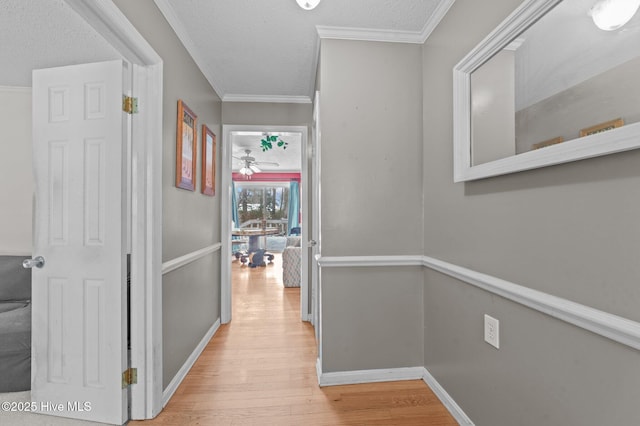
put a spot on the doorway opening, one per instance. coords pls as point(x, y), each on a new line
point(264, 208)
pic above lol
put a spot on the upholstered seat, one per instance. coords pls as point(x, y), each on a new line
point(15, 325)
point(292, 262)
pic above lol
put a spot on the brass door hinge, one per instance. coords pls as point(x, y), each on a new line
point(129, 377)
point(129, 104)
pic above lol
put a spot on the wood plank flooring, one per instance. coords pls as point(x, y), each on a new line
point(260, 370)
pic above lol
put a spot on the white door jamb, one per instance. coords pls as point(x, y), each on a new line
point(227, 130)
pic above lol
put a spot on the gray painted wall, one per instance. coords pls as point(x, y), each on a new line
point(371, 318)
point(371, 203)
point(370, 107)
point(569, 230)
point(255, 113)
point(16, 173)
point(191, 221)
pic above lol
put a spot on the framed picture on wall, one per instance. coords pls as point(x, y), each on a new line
point(208, 185)
point(186, 149)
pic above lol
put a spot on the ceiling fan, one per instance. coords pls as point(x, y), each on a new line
point(250, 165)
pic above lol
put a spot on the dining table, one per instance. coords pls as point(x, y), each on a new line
point(254, 235)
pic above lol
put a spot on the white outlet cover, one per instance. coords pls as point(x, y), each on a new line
point(492, 331)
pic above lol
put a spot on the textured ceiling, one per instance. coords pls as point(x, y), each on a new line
point(289, 160)
point(248, 50)
point(42, 34)
point(269, 48)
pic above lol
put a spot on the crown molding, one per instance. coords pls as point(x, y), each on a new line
point(267, 98)
point(113, 25)
point(391, 36)
point(324, 32)
point(314, 67)
point(367, 34)
point(435, 18)
point(172, 18)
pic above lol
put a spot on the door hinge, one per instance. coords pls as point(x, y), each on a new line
point(129, 104)
point(129, 377)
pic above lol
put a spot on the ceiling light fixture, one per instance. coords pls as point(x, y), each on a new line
point(609, 15)
point(249, 169)
point(308, 4)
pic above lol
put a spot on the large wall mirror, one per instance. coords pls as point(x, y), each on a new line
point(548, 86)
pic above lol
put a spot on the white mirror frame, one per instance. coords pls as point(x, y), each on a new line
point(621, 139)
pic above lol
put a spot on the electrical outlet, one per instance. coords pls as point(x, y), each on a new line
point(492, 331)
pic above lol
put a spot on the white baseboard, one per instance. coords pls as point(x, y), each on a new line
point(182, 373)
point(368, 376)
point(446, 399)
point(393, 375)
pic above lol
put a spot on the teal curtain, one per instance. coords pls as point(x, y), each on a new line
point(294, 206)
point(234, 206)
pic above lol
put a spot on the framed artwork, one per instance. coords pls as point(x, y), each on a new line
point(208, 185)
point(186, 149)
point(602, 127)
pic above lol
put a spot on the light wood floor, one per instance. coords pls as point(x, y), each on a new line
point(260, 370)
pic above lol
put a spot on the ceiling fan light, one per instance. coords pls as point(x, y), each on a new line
point(308, 4)
point(246, 171)
point(255, 168)
point(609, 15)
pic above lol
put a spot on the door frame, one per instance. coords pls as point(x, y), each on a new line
point(146, 201)
point(316, 234)
point(225, 270)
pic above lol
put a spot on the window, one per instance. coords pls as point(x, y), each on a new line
point(258, 201)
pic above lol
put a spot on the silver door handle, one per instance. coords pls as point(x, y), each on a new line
point(312, 243)
point(36, 262)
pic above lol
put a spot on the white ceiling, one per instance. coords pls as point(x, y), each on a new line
point(43, 34)
point(289, 160)
point(247, 50)
point(268, 50)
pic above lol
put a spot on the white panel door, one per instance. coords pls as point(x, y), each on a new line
point(79, 295)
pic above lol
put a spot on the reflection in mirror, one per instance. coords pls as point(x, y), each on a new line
point(561, 79)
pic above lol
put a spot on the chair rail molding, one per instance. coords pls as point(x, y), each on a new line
point(354, 261)
point(611, 326)
point(179, 262)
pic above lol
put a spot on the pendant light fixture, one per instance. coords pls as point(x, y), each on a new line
point(308, 4)
point(609, 15)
